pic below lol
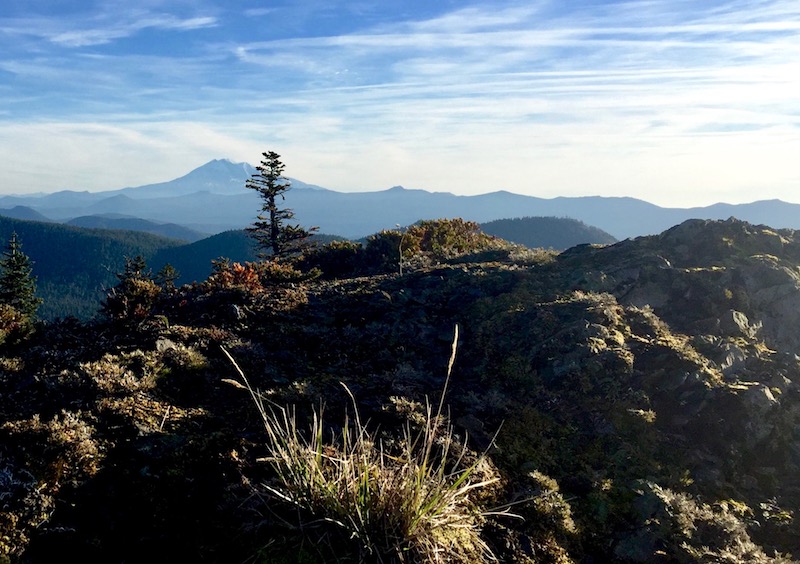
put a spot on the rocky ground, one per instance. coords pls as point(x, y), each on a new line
point(638, 402)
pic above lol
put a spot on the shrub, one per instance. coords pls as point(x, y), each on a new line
point(63, 451)
point(382, 253)
point(24, 508)
point(226, 275)
point(690, 530)
point(282, 272)
point(14, 325)
point(427, 242)
point(337, 259)
point(133, 298)
point(443, 239)
point(253, 277)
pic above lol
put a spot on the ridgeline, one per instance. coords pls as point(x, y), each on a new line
point(636, 402)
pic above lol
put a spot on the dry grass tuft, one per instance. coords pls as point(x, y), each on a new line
point(412, 504)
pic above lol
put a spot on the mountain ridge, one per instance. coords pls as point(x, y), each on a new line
point(227, 205)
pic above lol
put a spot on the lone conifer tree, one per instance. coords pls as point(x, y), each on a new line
point(272, 230)
point(17, 283)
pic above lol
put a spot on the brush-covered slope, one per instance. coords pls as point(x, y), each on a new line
point(637, 403)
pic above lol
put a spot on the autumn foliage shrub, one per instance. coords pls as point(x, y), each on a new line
point(227, 275)
point(254, 277)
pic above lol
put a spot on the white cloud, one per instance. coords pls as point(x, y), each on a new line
point(258, 12)
point(473, 19)
point(650, 98)
point(93, 156)
point(117, 21)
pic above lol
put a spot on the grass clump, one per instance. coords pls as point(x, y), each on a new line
point(409, 502)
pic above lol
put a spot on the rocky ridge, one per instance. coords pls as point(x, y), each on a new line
point(639, 402)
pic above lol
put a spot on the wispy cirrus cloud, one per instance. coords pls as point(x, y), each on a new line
point(110, 22)
point(117, 30)
point(605, 98)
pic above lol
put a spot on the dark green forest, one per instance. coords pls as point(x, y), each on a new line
point(557, 233)
point(169, 230)
point(73, 266)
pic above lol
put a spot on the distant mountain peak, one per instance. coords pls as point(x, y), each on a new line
point(403, 190)
point(218, 176)
point(23, 212)
point(222, 166)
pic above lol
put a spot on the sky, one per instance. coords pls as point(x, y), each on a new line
point(677, 102)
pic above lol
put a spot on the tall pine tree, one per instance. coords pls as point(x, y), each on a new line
point(272, 230)
point(17, 283)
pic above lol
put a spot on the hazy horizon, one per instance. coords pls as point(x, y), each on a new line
point(296, 181)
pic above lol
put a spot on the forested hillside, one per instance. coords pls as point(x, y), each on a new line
point(75, 266)
point(23, 212)
point(193, 261)
point(169, 230)
point(556, 233)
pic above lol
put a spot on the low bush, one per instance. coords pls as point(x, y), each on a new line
point(134, 297)
point(15, 326)
point(443, 239)
point(227, 275)
point(283, 272)
point(337, 259)
point(382, 252)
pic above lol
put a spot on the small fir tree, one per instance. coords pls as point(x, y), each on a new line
point(167, 277)
point(134, 297)
point(272, 230)
point(17, 283)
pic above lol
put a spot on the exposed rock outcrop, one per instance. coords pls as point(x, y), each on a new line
point(639, 402)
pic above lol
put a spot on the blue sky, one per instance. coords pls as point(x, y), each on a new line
point(676, 102)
